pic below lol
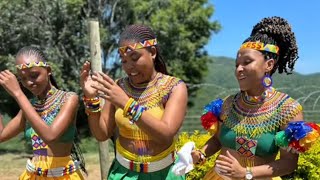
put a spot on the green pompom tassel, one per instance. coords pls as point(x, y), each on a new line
point(281, 139)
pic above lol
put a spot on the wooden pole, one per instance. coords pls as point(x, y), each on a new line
point(96, 65)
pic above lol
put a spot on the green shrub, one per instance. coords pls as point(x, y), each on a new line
point(309, 164)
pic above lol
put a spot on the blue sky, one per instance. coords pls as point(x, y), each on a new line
point(238, 17)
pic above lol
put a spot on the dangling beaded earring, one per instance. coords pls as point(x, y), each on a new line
point(267, 81)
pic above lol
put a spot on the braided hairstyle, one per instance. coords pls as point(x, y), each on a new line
point(277, 31)
point(39, 55)
point(138, 33)
point(76, 153)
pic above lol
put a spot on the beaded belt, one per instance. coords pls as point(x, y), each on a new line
point(146, 167)
point(54, 172)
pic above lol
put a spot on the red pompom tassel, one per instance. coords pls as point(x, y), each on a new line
point(314, 126)
point(295, 144)
point(208, 119)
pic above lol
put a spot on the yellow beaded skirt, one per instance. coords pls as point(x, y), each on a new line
point(51, 168)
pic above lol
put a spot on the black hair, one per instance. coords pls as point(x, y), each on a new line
point(139, 33)
point(277, 31)
point(76, 153)
point(39, 55)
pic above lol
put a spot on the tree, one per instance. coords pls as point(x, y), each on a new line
point(59, 28)
point(183, 29)
point(56, 27)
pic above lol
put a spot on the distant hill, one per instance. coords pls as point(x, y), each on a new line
point(220, 81)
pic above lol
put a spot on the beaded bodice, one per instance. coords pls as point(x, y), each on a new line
point(152, 95)
point(48, 108)
point(250, 124)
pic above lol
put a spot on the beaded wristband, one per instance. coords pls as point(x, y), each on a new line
point(126, 107)
point(92, 105)
point(133, 110)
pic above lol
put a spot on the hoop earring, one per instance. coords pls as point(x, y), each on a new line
point(267, 81)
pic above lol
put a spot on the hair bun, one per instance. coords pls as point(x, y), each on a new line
point(271, 25)
point(280, 31)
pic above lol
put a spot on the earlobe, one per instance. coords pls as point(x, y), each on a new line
point(153, 52)
point(49, 70)
point(270, 65)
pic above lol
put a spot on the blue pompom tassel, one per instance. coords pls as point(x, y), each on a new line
point(214, 107)
point(297, 130)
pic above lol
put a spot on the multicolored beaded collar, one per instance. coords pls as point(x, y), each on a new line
point(138, 45)
point(254, 119)
point(261, 46)
point(47, 109)
point(32, 64)
point(267, 94)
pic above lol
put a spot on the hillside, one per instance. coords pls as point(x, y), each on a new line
point(220, 82)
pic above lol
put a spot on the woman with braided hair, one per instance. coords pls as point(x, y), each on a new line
point(147, 106)
point(250, 127)
point(48, 119)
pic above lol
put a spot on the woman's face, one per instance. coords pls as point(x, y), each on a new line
point(251, 67)
point(35, 79)
point(139, 64)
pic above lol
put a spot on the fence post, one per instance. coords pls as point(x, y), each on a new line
point(96, 65)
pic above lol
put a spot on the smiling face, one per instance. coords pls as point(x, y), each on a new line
point(251, 67)
point(139, 64)
point(35, 79)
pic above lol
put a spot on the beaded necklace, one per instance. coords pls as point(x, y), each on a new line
point(47, 108)
point(250, 117)
point(253, 119)
point(267, 94)
point(151, 94)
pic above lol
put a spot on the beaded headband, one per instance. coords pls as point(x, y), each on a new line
point(32, 64)
point(138, 45)
point(261, 47)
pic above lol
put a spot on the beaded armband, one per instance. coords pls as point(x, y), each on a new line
point(298, 136)
point(133, 110)
point(92, 105)
point(210, 116)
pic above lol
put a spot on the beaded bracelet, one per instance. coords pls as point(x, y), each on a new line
point(126, 107)
point(133, 110)
point(92, 105)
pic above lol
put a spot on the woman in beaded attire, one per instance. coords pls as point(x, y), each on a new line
point(252, 126)
point(48, 119)
point(147, 106)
